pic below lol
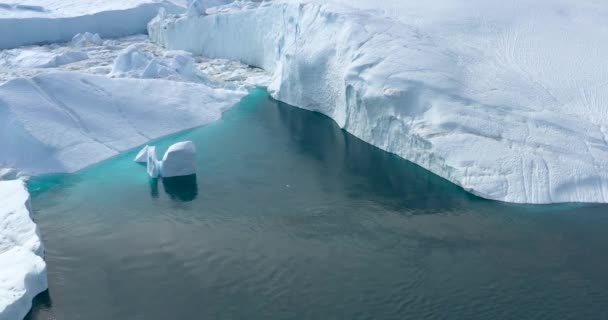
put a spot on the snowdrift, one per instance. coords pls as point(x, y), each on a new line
point(65, 121)
point(23, 271)
point(46, 21)
point(510, 104)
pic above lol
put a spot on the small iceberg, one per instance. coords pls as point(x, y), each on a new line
point(178, 161)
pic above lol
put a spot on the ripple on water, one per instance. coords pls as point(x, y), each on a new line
point(289, 217)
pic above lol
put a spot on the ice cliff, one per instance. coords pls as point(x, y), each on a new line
point(510, 104)
point(22, 269)
point(45, 21)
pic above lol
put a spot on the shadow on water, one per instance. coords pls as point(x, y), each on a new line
point(180, 188)
point(41, 304)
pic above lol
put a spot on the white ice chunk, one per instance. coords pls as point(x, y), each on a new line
point(153, 166)
point(142, 155)
point(86, 39)
point(179, 160)
point(134, 62)
point(22, 269)
point(65, 121)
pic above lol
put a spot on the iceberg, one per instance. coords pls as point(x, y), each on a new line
point(46, 21)
point(23, 270)
point(65, 121)
point(179, 160)
point(474, 94)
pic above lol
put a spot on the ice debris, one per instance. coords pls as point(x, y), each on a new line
point(87, 39)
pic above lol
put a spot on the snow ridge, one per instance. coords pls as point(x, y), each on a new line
point(487, 119)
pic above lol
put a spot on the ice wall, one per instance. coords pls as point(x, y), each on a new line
point(485, 104)
point(23, 271)
point(59, 21)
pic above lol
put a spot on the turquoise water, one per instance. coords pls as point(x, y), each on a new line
point(290, 217)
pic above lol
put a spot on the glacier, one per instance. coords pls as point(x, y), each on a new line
point(509, 104)
point(22, 268)
point(46, 21)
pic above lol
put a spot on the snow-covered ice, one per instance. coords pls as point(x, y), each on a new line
point(22, 269)
point(62, 122)
point(46, 21)
point(173, 65)
point(135, 62)
point(507, 100)
point(179, 160)
point(39, 58)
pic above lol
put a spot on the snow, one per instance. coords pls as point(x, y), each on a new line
point(507, 100)
point(179, 160)
point(39, 58)
point(65, 121)
point(46, 21)
point(23, 271)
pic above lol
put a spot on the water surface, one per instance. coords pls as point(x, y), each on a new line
point(290, 217)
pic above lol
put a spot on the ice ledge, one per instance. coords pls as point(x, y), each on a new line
point(463, 111)
point(22, 268)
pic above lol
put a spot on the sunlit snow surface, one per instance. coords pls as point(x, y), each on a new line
point(507, 100)
point(22, 270)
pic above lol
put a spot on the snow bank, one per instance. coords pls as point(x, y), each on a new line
point(46, 21)
point(62, 122)
point(23, 271)
point(507, 100)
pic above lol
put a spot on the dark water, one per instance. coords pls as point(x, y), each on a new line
point(291, 218)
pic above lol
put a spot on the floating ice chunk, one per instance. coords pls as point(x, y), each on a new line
point(153, 165)
point(142, 155)
point(134, 62)
point(86, 39)
point(179, 160)
point(58, 21)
